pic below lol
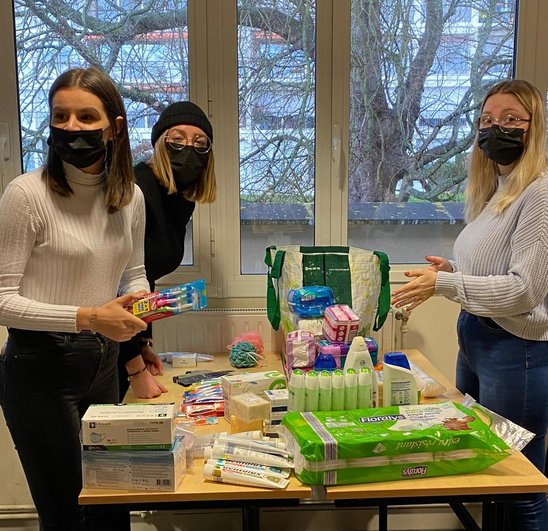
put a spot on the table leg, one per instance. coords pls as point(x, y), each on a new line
point(251, 516)
point(492, 516)
point(464, 516)
point(383, 517)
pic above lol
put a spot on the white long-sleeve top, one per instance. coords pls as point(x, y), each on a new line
point(59, 253)
point(501, 264)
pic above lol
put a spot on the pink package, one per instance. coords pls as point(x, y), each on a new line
point(300, 349)
point(340, 323)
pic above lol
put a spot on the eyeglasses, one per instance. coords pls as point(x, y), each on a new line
point(200, 143)
point(508, 123)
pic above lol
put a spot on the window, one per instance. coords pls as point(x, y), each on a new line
point(336, 122)
point(148, 62)
point(416, 82)
point(276, 93)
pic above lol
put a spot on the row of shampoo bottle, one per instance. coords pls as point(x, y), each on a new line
point(359, 357)
point(330, 391)
point(399, 386)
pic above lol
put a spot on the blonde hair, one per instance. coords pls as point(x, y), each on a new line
point(483, 172)
point(204, 190)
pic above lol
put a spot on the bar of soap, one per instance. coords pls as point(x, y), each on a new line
point(249, 407)
point(237, 425)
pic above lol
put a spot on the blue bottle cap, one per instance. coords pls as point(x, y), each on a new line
point(399, 359)
point(325, 362)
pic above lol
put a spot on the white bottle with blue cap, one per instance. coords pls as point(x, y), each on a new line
point(399, 386)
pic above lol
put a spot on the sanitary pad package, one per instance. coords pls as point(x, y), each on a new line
point(390, 443)
point(340, 323)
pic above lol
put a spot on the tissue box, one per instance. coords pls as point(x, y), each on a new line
point(136, 426)
point(160, 470)
point(340, 323)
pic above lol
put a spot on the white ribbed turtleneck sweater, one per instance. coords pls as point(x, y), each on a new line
point(501, 264)
point(58, 253)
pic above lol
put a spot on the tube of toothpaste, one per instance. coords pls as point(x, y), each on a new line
point(240, 453)
point(242, 465)
point(240, 476)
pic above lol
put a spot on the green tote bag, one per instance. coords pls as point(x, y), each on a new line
point(358, 277)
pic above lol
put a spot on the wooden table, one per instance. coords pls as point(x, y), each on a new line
point(510, 478)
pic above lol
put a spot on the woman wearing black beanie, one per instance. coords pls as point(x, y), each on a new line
point(179, 174)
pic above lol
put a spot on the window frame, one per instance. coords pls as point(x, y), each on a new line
point(213, 74)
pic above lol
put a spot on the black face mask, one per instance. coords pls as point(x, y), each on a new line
point(504, 148)
point(187, 165)
point(78, 148)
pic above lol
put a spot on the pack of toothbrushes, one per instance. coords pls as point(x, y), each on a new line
point(390, 443)
point(171, 301)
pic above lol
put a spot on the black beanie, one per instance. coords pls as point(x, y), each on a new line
point(181, 112)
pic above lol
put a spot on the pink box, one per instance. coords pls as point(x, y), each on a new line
point(340, 323)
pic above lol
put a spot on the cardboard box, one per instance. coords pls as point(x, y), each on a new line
point(137, 426)
point(160, 470)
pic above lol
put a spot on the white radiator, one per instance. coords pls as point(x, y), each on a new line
point(211, 330)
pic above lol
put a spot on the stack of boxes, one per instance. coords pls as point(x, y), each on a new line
point(132, 446)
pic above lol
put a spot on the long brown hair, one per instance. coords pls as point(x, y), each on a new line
point(118, 184)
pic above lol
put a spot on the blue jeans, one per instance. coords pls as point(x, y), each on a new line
point(47, 381)
point(508, 375)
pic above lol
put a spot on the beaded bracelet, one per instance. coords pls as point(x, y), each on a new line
point(133, 375)
point(93, 318)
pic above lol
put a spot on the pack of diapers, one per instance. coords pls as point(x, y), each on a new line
point(390, 443)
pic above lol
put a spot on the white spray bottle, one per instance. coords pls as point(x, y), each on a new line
point(358, 357)
point(399, 385)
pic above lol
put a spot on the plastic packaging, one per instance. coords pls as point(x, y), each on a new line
point(337, 390)
point(373, 349)
point(325, 391)
point(296, 391)
point(399, 386)
point(325, 362)
point(428, 387)
point(350, 389)
point(513, 435)
point(364, 388)
point(170, 301)
point(311, 393)
point(300, 349)
point(310, 301)
point(358, 356)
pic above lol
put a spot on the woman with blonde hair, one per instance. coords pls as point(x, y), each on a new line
point(498, 275)
point(180, 174)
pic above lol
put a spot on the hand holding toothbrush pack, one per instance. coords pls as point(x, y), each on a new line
point(170, 301)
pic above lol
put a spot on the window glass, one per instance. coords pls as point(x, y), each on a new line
point(419, 71)
point(141, 44)
point(276, 90)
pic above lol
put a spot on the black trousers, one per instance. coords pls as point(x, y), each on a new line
point(47, 381)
